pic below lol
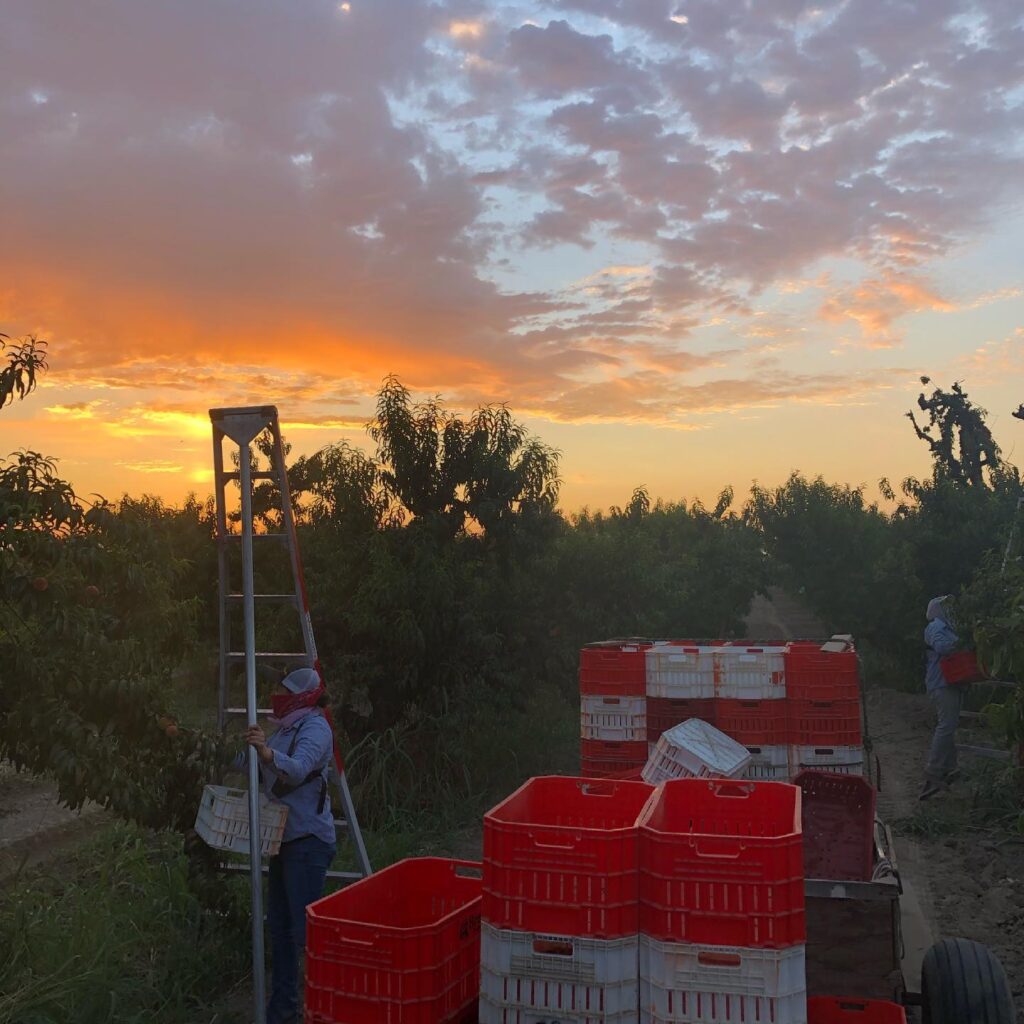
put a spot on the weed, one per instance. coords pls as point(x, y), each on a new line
point(114, 934)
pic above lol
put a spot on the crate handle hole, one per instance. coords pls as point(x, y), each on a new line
point(719, 959)
point(723, 853)
point(733, 790)
point(552, 947)
point(553, 846)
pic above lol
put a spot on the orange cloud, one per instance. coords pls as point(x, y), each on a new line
point(153, 466)
point(876, 303)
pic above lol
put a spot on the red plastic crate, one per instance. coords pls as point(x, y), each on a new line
point(814, 674)
point(623, 752)
point(826, 723)
point(665, 712)
point(961, 667)
point(837, 1010)
point(839, 825)
point(560, 856)
point(618, 670)
point(627, 771)
point(401, 946)
point(754, 723)
point(721, 863)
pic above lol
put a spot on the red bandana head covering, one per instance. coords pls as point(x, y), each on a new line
point(305, 689)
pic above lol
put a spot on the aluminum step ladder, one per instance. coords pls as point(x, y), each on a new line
point(244, 427)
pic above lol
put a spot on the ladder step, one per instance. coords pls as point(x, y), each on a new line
point(255, 475)
point(255, 536)
point(270, 656)
point(263, 597)
point(231, 865)
point(340, 824)
point(245, 711)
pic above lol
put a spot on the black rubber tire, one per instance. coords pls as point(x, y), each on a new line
point(962, 982)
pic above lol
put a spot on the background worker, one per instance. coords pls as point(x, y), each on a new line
point(294, 763)
point(940, 639)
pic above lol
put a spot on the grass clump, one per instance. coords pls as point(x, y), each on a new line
point(113, 933)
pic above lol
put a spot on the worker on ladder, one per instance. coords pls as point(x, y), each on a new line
point(294, 763)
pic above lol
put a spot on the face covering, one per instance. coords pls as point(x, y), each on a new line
point(284, 704)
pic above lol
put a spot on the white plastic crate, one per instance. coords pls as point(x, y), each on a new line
point(768, 763)
point(695, 749)
point(613, 718)
point(528, 977)
point(750, 673)
point(676, 672)
point(489, 1012)
point(223, 821)
point(841, 760)
point(684, 983)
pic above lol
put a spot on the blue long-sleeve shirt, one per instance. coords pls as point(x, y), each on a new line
point(313, 750)
point(940, 640)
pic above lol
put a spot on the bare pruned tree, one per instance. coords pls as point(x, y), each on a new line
point(961, 444)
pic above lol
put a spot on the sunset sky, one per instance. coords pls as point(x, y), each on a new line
point(688, 242)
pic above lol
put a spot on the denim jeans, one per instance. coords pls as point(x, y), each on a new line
point(296, 880)
point(947, 701)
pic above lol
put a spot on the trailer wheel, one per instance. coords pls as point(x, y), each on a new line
point(962, 982)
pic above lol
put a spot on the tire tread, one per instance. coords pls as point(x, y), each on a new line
point(962, 982)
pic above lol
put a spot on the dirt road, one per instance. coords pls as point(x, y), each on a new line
point(968, 878)
point(33, 825)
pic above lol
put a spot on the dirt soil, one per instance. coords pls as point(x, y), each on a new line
point(34, 827)
point(968, 881)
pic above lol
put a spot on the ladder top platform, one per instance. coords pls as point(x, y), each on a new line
point(243, 410)
point(243, 424)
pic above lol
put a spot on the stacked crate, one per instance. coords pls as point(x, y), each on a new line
point(823, 694)
point(613, 709)
point(794, 706)
point(722, 904)
point(750, 706)
point(560, 903)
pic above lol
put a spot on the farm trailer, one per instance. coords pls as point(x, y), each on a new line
point(860, 942)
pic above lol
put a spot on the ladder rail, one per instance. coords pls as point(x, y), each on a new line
point(288, 523)
point(223, 581)
point(255, 852)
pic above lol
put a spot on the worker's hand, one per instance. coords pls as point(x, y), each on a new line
point(254, 737)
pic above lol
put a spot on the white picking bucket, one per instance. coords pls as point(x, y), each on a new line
point(223, 821)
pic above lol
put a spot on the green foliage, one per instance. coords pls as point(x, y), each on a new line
point(23, 362)
point(447, 473)
point(91, 628)
point(116, 934)
point(993, 608)
point(827, 543)
point(439, 769)
point(870, 573)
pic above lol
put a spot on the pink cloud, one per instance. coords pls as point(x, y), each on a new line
point(258, 195)
point(875, 304)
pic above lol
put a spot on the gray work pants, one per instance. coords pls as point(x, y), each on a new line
point(947, 702)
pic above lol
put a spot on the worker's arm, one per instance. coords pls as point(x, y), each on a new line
point(940, 638)
point(312, 751)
